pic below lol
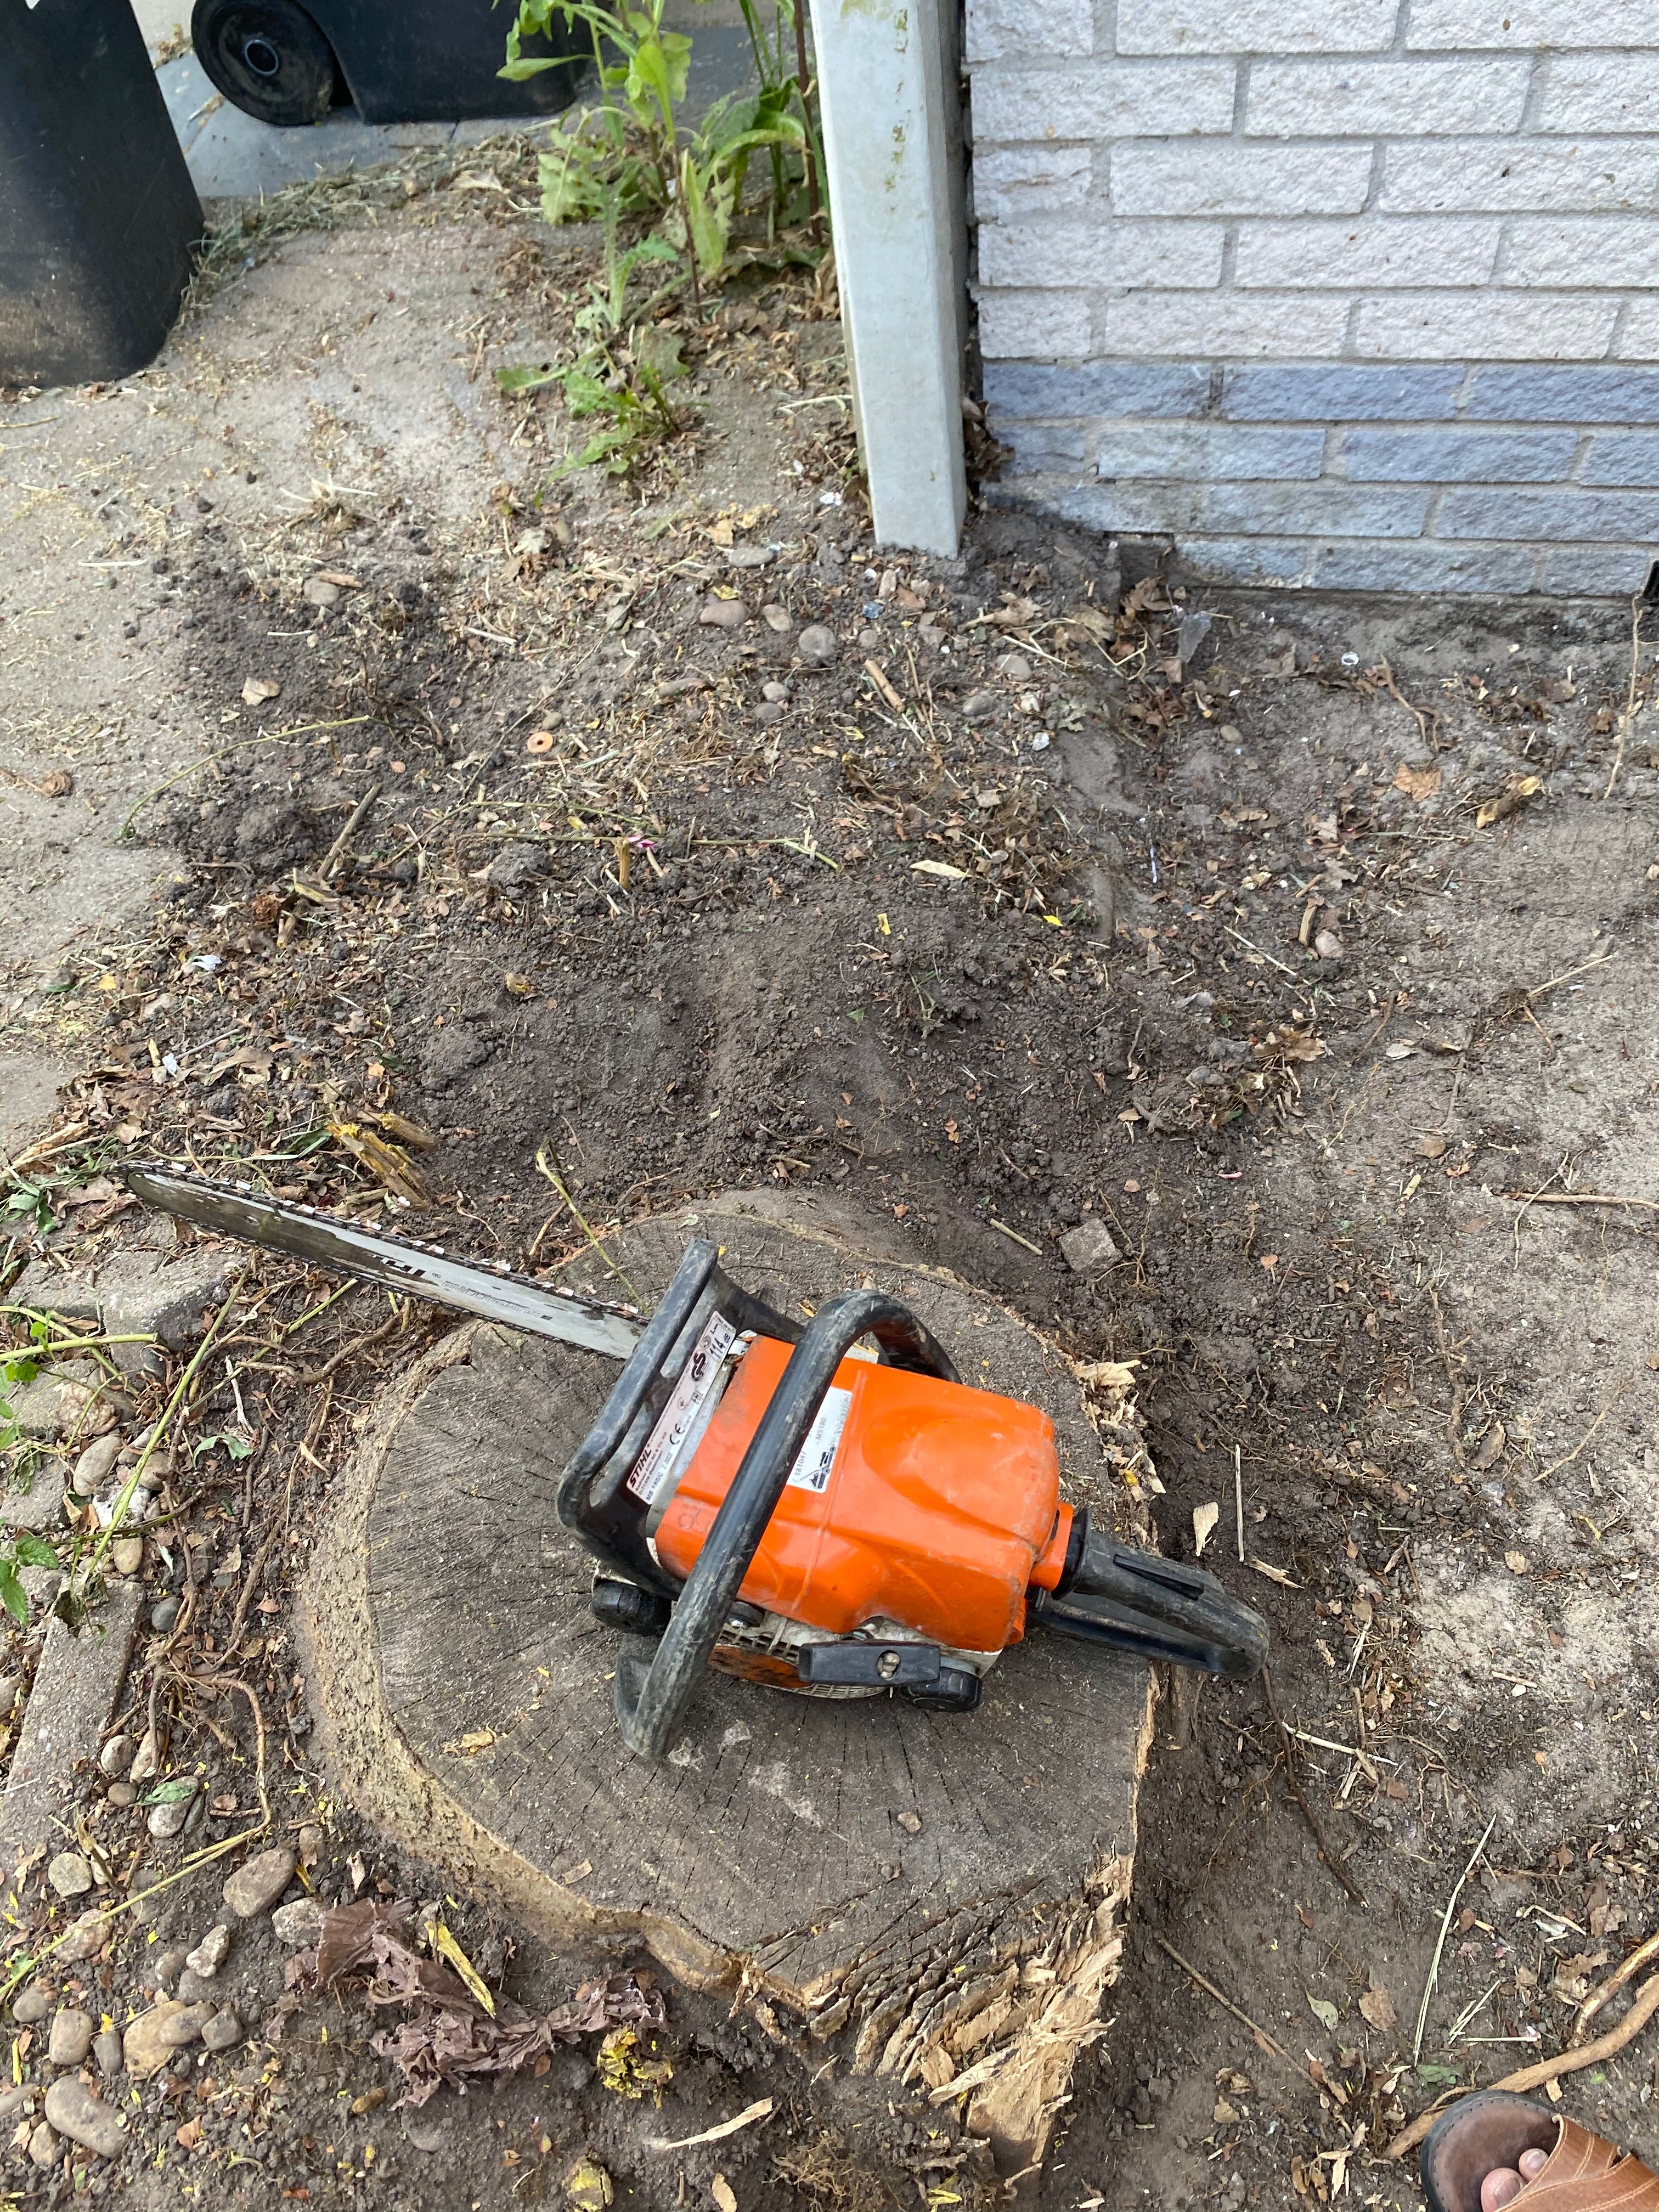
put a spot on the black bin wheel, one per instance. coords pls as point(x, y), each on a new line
point(267, 56)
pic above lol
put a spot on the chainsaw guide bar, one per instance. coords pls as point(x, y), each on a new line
point(392, 1262)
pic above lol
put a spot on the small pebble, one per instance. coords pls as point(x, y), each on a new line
point(869, 640)
point(298, 1924)
point(43, 2145)
point(93, 1465)
point(723, 614)
point(167, 1967)
point(146, 1760)
point(768, 712)
point(117, 1755)
point(1016, 667)
point(777, 618)
point(107, 2050)
point(31, 2004)
point(979, 706)
point(13, 2100)
point(255, 1887)
point(223, 2030)
point(122, 1794)
point(162, 1616)
point(210, 1953)
point(11, 1689)
point(168, 1818)
point(71, 2036)
point(319, 593)
point(1327, 945)
point(816, 646)
point(311, 1844)
point(774, 690)
point(70, 1874)
point(85, 2118)
point(126, 1554)
point(87, 1937)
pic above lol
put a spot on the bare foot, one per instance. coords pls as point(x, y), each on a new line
point(1503, 2185)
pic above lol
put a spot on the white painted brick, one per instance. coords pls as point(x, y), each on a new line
point(1223, 180)
point(1354, 99)
point(1255, 27)
point(1166, 257)
point(1366, 254)
point(1517, 23)
point(1102, 99)
point(1012, 183)
point(996, 27)
point(1591, 252)
point(1525, 176)
point(1475, 326)
point(1233, 325)
point(1639, 335)
point(1601, 92)
point(1034, 326)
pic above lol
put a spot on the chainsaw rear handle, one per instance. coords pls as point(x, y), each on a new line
point(1136, 1601)
point(651, 1696)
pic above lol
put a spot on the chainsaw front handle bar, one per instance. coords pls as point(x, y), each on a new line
point(651, 1696)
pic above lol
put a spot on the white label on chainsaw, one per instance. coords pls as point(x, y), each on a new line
point(816, 1460)
point(677, 1418)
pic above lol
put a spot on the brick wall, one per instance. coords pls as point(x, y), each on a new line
point(1361, 294)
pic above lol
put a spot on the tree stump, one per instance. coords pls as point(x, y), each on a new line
point(944, 1893)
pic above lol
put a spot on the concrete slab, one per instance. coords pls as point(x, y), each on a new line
point(76, 1687)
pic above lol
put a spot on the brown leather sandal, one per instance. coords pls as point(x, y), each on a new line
point(1583, 2173)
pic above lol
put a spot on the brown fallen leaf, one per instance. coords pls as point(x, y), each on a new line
point(1522, 788)
point(1378, 2007)
point(1418, 783)
point(1516, 1562)
point(257, 688)
point(723, 2193)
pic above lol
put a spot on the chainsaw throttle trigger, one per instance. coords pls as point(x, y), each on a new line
point(870, 1666)
point(649, 1702)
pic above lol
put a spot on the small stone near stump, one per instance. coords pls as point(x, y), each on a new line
point(95, 1464)
point(146, 1760)
point(210, 1953)
point(117, 1755)
point(151, 2039)
point(51, 1407)
point(1016, 667)
point(516, 864)
point(723, 614)
point(11, 1688)
point(162, 1616)
point(425, 2133)
point(776, 692)
point(43, 2145)
point(167, 1819)
point(70, 1874)
point(13, 2100)
point(980, 705)
point(311, 1844)
point(122, 1794)
point(255, 1887)
point(85, 1939)
point(777, 618)
point(300, 1924)
point(319, 593)
point(1327, 945)
point(39, 1509)
point(223, 2031)
point(816, 646)
point(168, 1966)
point(84, 2117)
point(71, 2036)
point(31, 2004)
point(107, 2050)
point(1089, 1249)
point(769, 712)
point(126, 1554)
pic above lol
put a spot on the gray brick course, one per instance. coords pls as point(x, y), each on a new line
point(1629, 458)
point(1209, 451)
point(1338, 392)
point(1245, 26)
point(1597, 572)
point(1276, 509)
point(1562, 512)
point(1385, 99)
point(1102, 388)
point(1425, 566)
point(1196, 177)
point(1455, 456)
point(1580, 393)
point(1369, 251)
point(1265, 561)
point(1102, 99)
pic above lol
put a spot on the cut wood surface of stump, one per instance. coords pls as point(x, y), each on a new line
point(944, 1892)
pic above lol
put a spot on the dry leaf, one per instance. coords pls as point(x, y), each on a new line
point(257, 688)
point(1491, 1447)
point(1378, 2007)
point(723, 2193)
point(745, 2119)
point(1516, 1562)
point(1203, 1520)
point(1325, 2012)
point(938, 868)
point(1418, 783)
point(1522, 788)
point(1274, 1574)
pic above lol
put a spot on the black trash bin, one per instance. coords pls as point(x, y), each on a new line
point(97, 212)
point(397, 61)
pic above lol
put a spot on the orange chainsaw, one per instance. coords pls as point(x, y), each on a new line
point(784, 1504)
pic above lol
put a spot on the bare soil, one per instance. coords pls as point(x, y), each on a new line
point(1306, 946)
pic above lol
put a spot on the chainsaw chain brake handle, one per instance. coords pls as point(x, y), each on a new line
point(651, 1694)
point(1109, 1592)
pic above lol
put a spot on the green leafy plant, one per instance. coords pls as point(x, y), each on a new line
point(25, 1552)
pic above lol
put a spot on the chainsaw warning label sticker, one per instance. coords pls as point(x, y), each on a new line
point(679, 1416)
point(815, 1461)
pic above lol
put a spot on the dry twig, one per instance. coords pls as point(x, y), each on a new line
point(1263, 2038)
point(1307, 1811)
